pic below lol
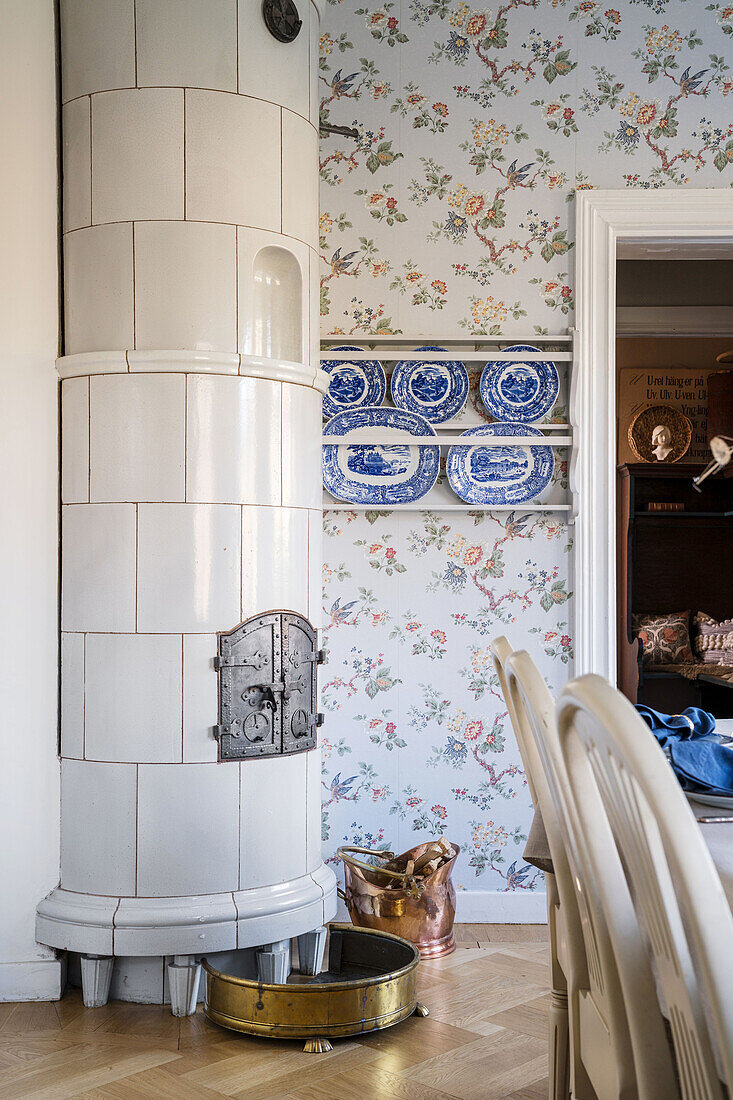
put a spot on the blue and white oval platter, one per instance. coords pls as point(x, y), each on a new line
point(352, 385)
point(369, 473)
point(482, 474)
point(437, 391)
point(513, 390)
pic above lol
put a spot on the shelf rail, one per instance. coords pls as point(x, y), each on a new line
point(390, 347)
point(385, 439)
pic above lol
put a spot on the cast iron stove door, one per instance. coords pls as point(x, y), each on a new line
point(267, 687)
point(299, 676)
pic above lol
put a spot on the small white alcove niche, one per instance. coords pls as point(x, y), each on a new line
point(276, 324)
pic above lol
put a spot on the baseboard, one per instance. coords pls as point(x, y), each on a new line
point(492, 907)
point(38, 980)
point(499, 907)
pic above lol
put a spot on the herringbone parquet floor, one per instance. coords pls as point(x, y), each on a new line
point(485, 1038)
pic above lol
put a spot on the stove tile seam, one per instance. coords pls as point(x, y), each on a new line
point(137, 564)
point(185, 196)
point(134, 299)
point(84, 708)
point(137, 822)
point(185, 438)
point(241, 563)
point(183, 693)
point(91, 178)
point(178, 503)
point(114, 918)
point(188, 221)
point(236, 297)
point(190, 88)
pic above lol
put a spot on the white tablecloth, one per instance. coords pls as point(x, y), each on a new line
point(719, 839)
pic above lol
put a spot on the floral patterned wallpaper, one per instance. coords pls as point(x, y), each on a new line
point(452, 214)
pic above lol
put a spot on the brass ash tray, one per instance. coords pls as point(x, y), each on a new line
point(370, 983)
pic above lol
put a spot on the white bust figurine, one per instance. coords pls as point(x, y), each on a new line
point(661, 442)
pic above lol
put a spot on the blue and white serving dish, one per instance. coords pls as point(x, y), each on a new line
point(378, 473)
point(435, 390)
point(352, 385)
point(482, 474)
point(514, 390)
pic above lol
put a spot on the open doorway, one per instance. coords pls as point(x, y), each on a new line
point(674, 540)
point(613, 226)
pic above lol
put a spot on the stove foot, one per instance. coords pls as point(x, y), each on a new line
point(183, 978)
point(273, 962)
point(96, 974)
point(311, 947)
point(317, 1046)
point(421, 1009)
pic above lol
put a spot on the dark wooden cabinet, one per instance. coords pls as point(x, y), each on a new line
point(669, 561)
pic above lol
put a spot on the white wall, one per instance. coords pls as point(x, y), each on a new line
point(29, 777)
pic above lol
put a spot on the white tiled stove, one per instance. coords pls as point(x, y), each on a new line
point(190, 478)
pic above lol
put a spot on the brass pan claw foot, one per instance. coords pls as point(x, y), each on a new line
point(317, 1046)
point(421, 1009)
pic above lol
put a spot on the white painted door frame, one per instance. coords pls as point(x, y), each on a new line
point(603, 218)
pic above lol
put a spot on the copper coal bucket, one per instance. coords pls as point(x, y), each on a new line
point(419, 910)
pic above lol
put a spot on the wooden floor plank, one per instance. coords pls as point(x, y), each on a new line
point(72, 1073)
point(152, 1084)
point(517, 933)
point(372, 1082)
point(486, 1036)
point(487, 1069)
point(408, 1044)
point(20, 1018)
point(529, 1018)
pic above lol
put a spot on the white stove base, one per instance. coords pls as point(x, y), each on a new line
point(196, 925)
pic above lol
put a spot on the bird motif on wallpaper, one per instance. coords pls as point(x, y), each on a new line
point(338, 614)
point(516, 525)
point(689, 83)
point(340, 788)
point(339, 263)
point(516, 877)
point(516, 175)
point(340, 85)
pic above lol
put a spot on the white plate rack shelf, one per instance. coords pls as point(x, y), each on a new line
point(474, 351)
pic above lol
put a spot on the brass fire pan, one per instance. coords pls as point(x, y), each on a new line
point(370, 984)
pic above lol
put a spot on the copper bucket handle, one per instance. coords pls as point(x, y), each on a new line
point(414, 887)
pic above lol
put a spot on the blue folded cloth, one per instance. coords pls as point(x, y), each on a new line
point(703, 766)
point(691, 724)
point(693, 748)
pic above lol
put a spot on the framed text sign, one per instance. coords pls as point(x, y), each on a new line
point(686, 390)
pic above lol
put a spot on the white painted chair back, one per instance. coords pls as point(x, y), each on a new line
point(517, 705)
point(612, 754)
point(618, 1024)
point(566, 938)
point(501, 651)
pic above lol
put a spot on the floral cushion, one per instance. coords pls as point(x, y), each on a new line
point(665, 639)
point(713, 640)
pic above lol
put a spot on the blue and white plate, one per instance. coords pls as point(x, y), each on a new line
point(482, 474)
point(352, 385)
point(372, 473)
point(436, 391)
point(513, 390)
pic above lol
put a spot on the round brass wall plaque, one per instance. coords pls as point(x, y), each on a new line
point(660, 433)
